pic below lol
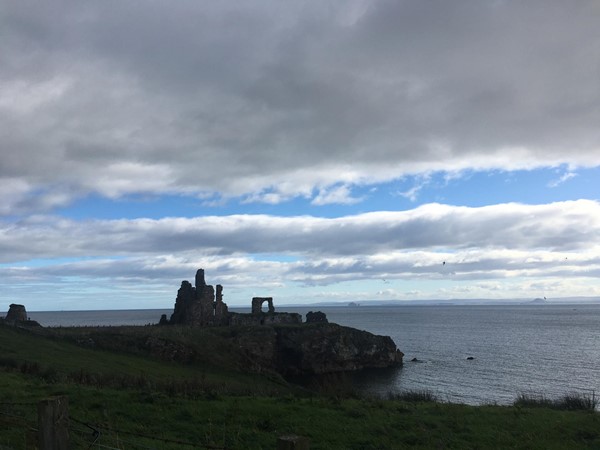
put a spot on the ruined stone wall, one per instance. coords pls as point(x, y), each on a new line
point(196, 305)
point(16, 313)
point(257, 303)
point(264, 319)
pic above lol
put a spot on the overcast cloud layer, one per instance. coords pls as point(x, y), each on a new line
point(260, 104)
point(569, 226)
point(553, 248)
point(272, 100)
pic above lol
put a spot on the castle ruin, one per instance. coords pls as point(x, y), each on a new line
point(199, 305)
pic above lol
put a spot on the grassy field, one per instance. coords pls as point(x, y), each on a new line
point(132, 401)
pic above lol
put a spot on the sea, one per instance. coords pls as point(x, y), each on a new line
point(461, 354)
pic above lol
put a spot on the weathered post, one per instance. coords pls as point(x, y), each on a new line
point(53, 423)
point(293, 442)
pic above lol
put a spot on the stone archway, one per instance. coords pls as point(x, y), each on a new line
point(257, 303)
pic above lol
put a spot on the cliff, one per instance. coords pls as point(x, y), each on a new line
point(289, 350)
point(316, 349)
point(275, 341)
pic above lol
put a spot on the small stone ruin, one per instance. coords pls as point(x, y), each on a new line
point(257, 303)
point(316, 317)
point(17, 315)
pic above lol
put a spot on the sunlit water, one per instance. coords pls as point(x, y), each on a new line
point(548, 349)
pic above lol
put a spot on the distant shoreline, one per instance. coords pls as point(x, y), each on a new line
point(568, 301)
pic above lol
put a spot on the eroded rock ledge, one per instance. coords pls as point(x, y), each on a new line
point(317, 349)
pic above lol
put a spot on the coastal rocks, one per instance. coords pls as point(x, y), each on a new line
point(319, 349)
point(316, 317)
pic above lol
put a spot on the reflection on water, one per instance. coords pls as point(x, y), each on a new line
point(378, 382)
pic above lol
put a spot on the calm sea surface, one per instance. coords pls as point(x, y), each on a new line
point(538, 349)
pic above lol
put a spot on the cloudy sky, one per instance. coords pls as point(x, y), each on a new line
point(310, 151)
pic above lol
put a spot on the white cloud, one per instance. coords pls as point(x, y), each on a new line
point(563, 178)
point(335, 195)
point(497, 251)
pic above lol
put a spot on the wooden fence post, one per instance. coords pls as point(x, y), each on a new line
point(293, 442)
point(53, 423)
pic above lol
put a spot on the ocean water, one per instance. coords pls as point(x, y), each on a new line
point(548, 350)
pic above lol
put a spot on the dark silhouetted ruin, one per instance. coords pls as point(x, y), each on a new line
point(17, 315)
point(199, 305)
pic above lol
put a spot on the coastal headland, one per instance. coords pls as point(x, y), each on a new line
point(281, 341)
point(220, 384)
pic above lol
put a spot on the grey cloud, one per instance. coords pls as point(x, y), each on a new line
point(239, 98)
point(563, 226)
point(159, 276)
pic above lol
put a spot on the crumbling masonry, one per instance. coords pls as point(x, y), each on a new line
point(199, 306)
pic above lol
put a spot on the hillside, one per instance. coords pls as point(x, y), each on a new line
point(128, 398)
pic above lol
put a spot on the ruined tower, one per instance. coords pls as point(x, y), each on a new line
point(196, 305)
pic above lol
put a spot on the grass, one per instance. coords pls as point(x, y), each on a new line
point(235, 410)
point(56, 357)
point(153, 419)
point(569, 402)
point(413, 396)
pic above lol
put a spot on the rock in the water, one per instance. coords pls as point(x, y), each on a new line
point(470, 358)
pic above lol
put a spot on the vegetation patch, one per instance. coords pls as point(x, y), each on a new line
point(569, 402)
point(129, 399)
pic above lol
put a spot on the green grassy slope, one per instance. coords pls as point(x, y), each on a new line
point(139, 402)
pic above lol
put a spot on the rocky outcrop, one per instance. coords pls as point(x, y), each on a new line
point(316, 317)
point(318, 349)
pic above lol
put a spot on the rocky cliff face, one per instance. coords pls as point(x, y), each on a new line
point(318, 348)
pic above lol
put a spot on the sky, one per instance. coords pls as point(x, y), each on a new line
point(310, 151)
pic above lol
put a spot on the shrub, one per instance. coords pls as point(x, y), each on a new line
point(580, 402)
point(570, 402)
point(422, 395)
